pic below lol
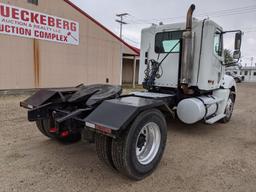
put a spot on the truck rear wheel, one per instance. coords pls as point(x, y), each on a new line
point(140, 149)
point(103, 149)
point(44, 127)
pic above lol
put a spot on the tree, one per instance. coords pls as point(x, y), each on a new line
point(228, 56)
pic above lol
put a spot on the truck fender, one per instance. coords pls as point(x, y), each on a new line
point(228, 87)
point(229, 83)
point(116, 115)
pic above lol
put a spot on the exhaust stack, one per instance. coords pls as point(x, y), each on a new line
point(187, 49)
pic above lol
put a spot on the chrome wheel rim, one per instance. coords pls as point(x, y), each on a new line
point(229, 108)
point(148, 143)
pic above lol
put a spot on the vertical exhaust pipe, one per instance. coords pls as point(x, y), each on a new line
point(187, 50)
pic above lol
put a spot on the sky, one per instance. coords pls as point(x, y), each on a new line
point(230, 14)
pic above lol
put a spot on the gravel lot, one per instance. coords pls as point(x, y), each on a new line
point(216, 158)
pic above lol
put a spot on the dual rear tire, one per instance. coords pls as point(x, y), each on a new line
point(139, 150)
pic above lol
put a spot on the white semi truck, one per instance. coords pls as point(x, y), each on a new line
point(189, 57)
point(183, 72)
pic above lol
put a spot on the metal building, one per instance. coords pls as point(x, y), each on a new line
point(46, 43)
point(249, 73)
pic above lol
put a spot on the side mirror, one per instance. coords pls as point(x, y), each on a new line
point(237, 54)
point(238, 41)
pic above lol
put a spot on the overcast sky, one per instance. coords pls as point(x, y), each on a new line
point(230, 14)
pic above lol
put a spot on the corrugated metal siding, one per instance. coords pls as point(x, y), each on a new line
point(95, 59)
point(16, 63)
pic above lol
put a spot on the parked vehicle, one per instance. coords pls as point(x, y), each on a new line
point(183, 73)
point(238, 78)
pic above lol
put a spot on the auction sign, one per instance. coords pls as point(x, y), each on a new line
point(26, 23)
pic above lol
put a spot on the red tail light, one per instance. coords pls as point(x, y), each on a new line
point(64, 134)
point(53, 130)
point(103, 129)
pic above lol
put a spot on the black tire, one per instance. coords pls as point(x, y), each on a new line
point(228, 117)
point(44, 127)
point(103, 149)
point(237, 80)
point(124, 149)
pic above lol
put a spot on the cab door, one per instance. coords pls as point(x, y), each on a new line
point(218, 57)
point(210, 69)
point(168, 42)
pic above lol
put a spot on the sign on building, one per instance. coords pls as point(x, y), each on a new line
point(27, 23)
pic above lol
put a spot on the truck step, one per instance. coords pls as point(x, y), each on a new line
point(215, 119)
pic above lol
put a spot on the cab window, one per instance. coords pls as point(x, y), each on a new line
point(217, 46)
point(166, 41)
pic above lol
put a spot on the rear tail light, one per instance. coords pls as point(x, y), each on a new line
point(64, 134)
point(98, 127)
point(103, 129)
point(53, 130)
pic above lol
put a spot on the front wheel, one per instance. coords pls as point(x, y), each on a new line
point(229, 108)
point(237, 80)
point(138, 152)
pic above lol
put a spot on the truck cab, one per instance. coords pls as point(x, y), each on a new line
point(207, 54)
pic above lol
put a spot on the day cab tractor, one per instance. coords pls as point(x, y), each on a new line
point(183, 73)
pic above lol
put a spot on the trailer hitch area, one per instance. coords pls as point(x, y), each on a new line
point(71, 115)
point(66, 122)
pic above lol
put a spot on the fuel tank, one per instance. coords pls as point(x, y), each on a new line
point(196, 109)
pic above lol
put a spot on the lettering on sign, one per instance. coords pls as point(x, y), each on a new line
point(26, 23)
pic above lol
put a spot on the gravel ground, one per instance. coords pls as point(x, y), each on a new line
point(216, 158)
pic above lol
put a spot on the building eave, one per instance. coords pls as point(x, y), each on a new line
point(135, 50)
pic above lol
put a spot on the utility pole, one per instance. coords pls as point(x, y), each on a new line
point(121, 21)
